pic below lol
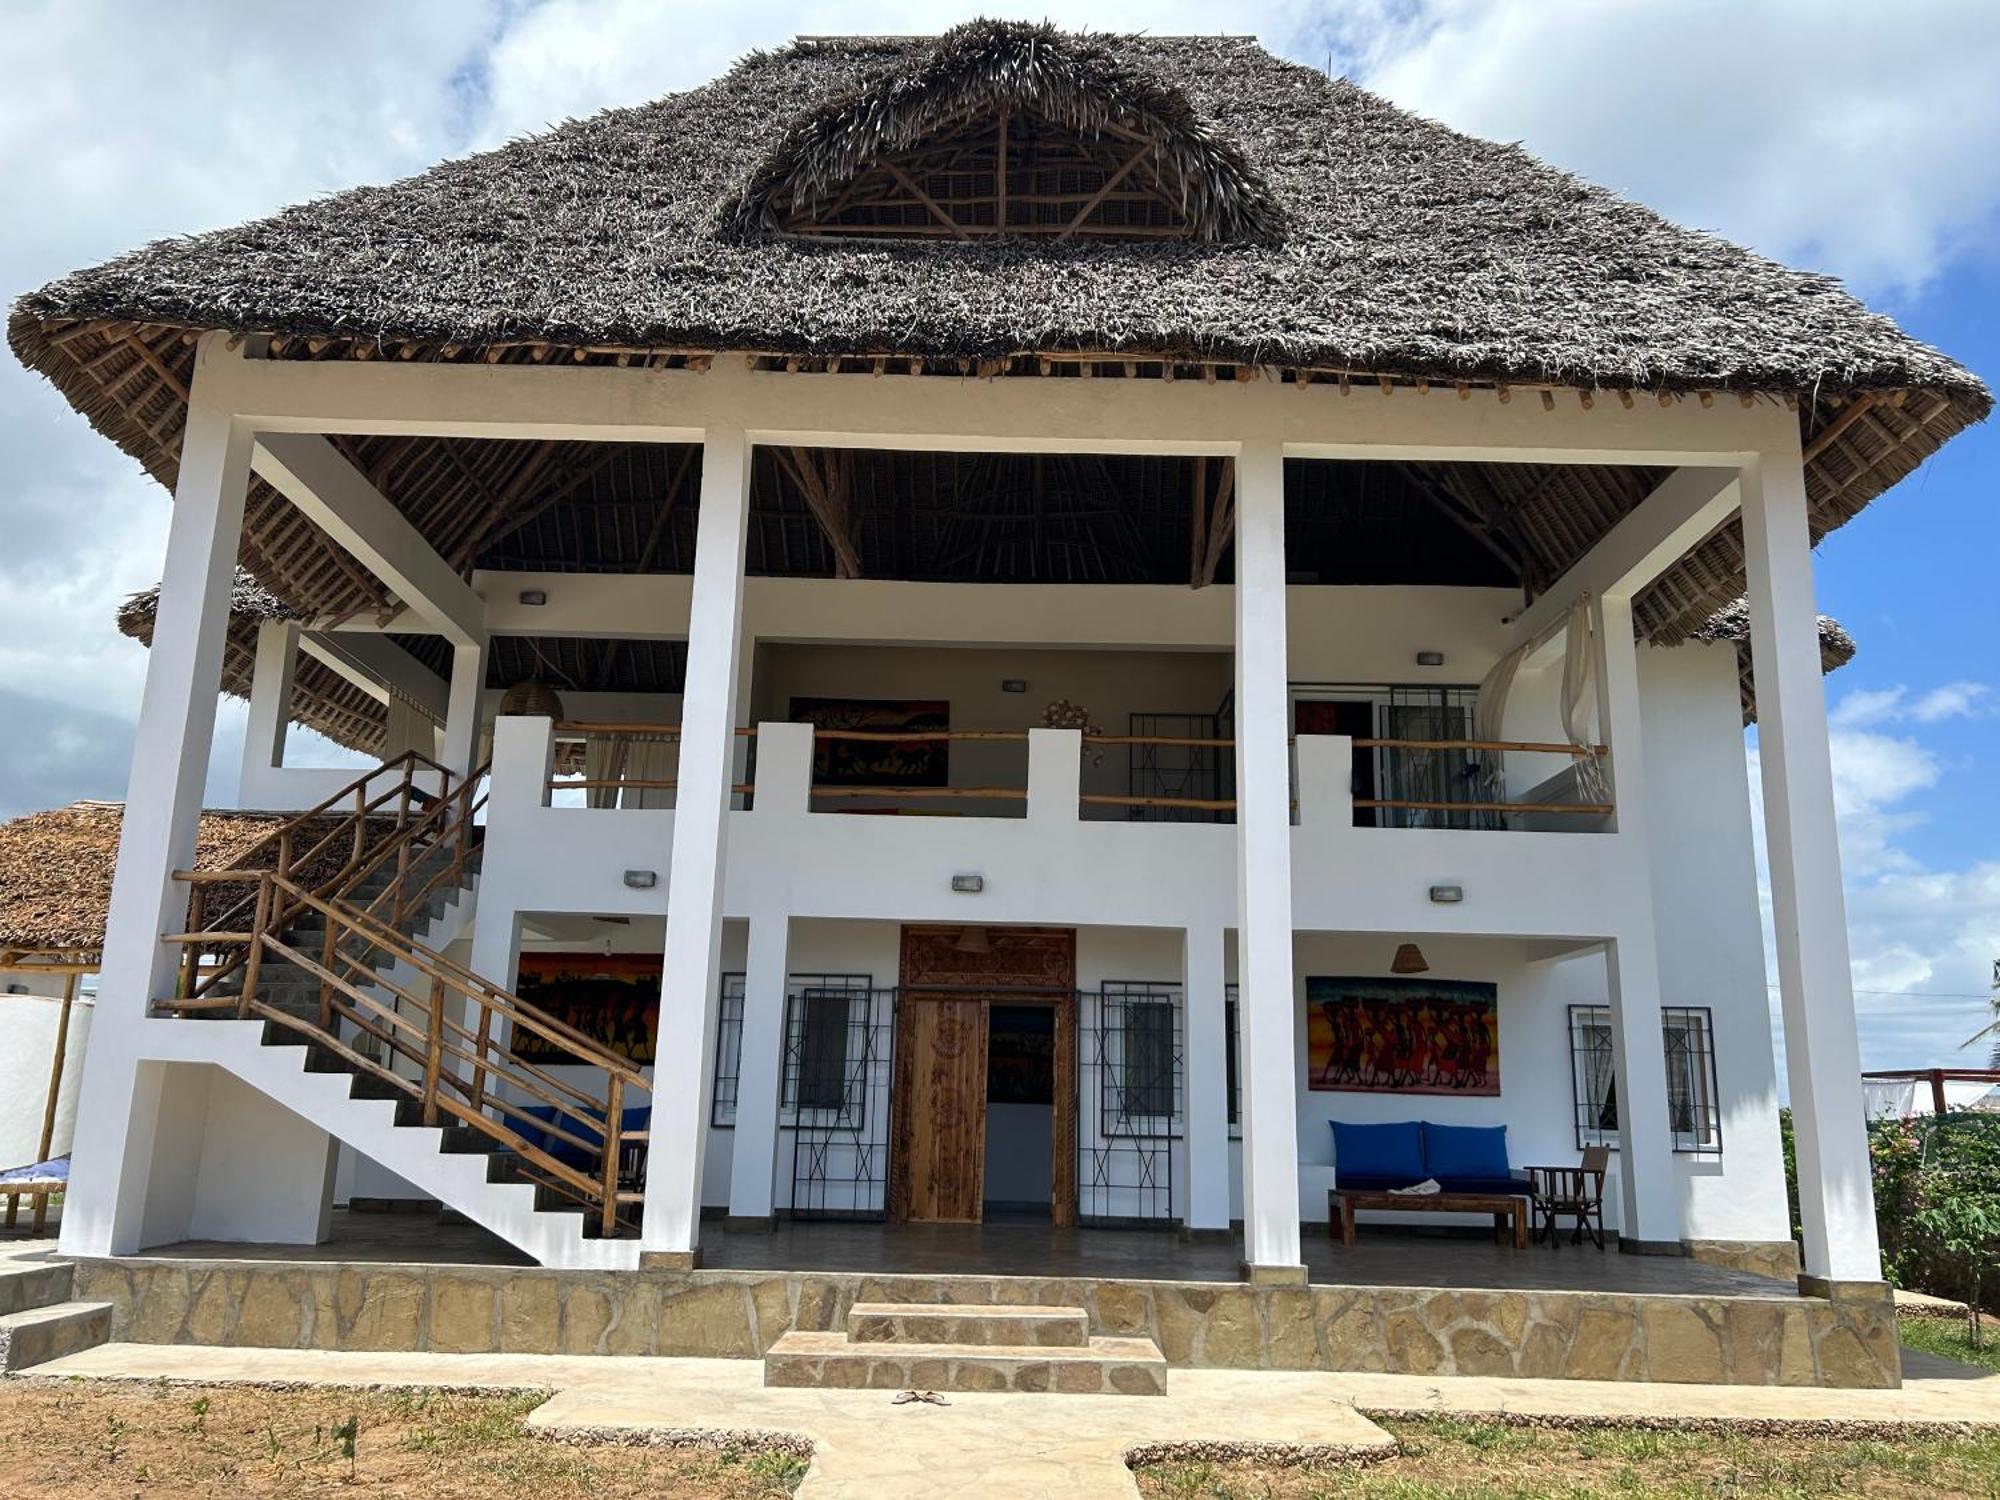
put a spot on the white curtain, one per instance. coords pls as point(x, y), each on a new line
point(1580, 696)
point(650, 759)
point(1489, 721)
point(603, 760)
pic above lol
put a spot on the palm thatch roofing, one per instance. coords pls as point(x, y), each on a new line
point(1836, 648)
point(55, 871)
point(1320, 234)
point(322, 699)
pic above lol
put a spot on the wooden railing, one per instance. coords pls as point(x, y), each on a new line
point(442, 1036)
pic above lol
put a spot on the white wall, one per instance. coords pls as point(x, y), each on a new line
point(27, 1054)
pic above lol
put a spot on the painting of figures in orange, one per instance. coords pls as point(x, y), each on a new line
point(1403, 1036)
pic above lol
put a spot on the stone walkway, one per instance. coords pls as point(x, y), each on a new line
point(1004, 1446)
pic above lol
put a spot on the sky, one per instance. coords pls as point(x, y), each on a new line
point(1854, 141)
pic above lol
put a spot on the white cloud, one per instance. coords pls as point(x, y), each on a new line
point(1921, 940)
point(1820, 134)
point(1955, 700)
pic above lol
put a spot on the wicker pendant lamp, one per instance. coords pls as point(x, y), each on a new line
point(1409, 959)
point(532, 698)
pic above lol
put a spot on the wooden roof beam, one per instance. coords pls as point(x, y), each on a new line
point(337, 497)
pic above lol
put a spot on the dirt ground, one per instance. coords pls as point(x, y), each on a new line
point(1468, 1460)
point(78, 1439)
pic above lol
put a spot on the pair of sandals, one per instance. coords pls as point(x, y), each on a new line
point(932, 1398)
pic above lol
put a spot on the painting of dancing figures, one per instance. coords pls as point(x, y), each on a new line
point(1403, 1036)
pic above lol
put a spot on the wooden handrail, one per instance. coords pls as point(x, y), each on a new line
point(455, 1071)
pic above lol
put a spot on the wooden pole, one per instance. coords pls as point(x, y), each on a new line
point(614, 1112)
point(1937, 1092)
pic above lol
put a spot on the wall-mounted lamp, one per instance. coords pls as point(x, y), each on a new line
point(642, 880)
point(1447, 895)
point(533, 596)
point(1430, 658)
point(1013, 684)
point(968, 885)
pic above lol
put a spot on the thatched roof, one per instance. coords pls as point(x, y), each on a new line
point(55, 870)
point(1328, 235)
point(1836, 648)
point(322, 699)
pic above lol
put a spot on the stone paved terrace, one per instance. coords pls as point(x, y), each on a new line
point(1382, 1256)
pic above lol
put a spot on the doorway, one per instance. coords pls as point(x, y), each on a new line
point(984, 1101)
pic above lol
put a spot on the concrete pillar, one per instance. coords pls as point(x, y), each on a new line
point(760, 1070)
point(1268, 1111)
point(1649, 1195)
point(1808, 907)
point(460, 743)
point(681, 1083)
point(1207, 1050)
point(103, 1211)
point(270, 704)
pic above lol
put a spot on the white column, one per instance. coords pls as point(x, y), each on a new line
point(1207, 1071)
point(1649, 1196)
point(759, 1070)
point(104, 1210)
point(270, 704)
point(1268, 1109)
point(681, 1085)
point(461, 722)
point(1808, 907)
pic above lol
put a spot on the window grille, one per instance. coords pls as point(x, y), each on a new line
point(1129, 1041)
point(728, 1053)
point(1195, 772)
point(1232, 1052)
point(839, 1044)
point(1694, 1114)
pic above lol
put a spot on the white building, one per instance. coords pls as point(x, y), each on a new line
point(1355, 497)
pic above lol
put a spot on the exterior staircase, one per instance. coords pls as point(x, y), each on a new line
point(316, 966)
point(967, 1347)
point(38, 1321)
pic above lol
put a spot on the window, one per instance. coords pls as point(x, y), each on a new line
point(825, 1023)
point(1140, 1050)
point(1231, 1049)
point(728, 1053)
point(1688, 1037)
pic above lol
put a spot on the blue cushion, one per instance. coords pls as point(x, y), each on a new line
point(1504, 1187)
point(1379, 1150)
point(1465, 1151)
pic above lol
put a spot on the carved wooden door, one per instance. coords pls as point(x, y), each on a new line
point(944, 1164)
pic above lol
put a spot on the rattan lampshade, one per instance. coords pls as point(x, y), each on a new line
point(532, 698)
point(1409, 959)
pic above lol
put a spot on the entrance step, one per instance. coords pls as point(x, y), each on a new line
point(968, 1323)
point(1102, 1367)
point(26, 1283)
point(40, 1334)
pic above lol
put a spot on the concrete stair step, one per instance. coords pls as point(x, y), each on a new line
point(1103, 1367)
point(968, 1323)
point(37, 1335)
point(28, 1284)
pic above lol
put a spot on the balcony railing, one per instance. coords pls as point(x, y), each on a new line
point(614, 765)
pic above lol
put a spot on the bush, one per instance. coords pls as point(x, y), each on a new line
point(1937, 1182)
point(1937, 1204)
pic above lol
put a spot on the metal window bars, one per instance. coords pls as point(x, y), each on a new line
point(1694, 1113)
point(728, 1053)
point(1130, 1106)
point(839, 1048)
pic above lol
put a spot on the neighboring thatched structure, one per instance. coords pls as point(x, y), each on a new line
point(1286, 227)
point(1836, 647)
point(322, 699)
point(55, 872)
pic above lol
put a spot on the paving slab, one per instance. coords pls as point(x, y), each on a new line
point(998, 1447)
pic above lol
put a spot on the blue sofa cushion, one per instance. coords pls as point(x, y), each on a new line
point(1464, 1151)
point(1379, 1151)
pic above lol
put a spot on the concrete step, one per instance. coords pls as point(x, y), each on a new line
point(1103, 1367)
point(39, 1334)
point(25, 1284)
point(968, 1323)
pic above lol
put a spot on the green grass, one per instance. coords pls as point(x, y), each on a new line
point(1456, 1459)
point(1952, 1340)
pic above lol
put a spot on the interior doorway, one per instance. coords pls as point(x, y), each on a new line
point(984, 1099)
